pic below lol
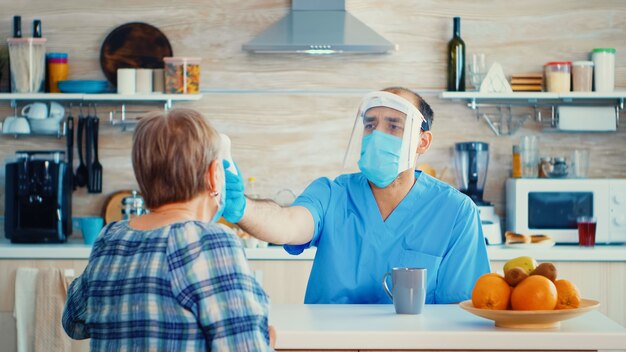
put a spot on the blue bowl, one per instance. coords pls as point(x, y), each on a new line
point(83, 86)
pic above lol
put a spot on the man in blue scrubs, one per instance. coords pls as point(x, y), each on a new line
point(388, 215)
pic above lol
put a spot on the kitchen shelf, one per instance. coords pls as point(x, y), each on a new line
point(507, 123)
point(167, 99)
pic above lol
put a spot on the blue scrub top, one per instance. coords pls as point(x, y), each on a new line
point(435, 227)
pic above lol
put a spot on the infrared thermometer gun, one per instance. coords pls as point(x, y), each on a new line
point(225, 153)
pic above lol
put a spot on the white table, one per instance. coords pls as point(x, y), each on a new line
point(439, 327)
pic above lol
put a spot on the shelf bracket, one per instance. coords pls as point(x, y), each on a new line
point(168, 104)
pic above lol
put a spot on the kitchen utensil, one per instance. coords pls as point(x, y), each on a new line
point(28, 64)
point(530, 319)
point(35, 111)
point(133, 45)
point(83, 86)
point(96, 168)
point(81, 172)
point(89, 152)
point(69, 137)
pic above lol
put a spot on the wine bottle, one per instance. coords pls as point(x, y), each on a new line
point(456, 59)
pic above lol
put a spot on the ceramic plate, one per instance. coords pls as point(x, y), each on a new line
point(544, 244)
point(530, 319)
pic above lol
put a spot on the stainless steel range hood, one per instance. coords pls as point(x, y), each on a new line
point(319, 27)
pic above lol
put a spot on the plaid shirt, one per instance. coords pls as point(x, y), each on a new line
point(183, 287)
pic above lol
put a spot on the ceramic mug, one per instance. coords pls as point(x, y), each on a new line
point(90, 227)
point(35, 111)
point(408, 291)
point(56, 110)
point(126, 81)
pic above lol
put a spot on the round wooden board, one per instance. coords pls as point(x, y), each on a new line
point(113, 206)
point(133, 45)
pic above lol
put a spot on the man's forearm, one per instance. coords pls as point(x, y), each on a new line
point(268, 221)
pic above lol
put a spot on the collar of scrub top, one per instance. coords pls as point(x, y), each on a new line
point(413, 123)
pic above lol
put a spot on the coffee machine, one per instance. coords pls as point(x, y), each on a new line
point(471, 160)
point(38, 197)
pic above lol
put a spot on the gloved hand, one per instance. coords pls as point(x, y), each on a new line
point(235, 200)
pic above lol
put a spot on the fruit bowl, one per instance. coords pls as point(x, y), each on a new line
point(530, 319)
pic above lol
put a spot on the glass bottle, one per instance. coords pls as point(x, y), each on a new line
point(456, 59)
point(517, 162)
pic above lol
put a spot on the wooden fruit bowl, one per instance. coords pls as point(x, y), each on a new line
point(530, 319)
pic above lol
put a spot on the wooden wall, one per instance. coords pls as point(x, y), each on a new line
point(289, 116)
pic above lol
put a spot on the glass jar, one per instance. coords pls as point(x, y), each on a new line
point(545, 167)
point(582, 76)
point(559, 168)
point(132, 206)
point(182, 75)
point(558, 76)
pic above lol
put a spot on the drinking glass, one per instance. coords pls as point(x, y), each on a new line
point(529, 149)
point(477, 69)
point(580, 163)
point(586, 231)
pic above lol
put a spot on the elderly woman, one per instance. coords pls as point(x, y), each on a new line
point(170, 280)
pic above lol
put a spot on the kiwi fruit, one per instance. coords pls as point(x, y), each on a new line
point(515, 275)
point(545, 269)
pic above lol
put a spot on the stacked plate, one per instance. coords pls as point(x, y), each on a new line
point(83, 86)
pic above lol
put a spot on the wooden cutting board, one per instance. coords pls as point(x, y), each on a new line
point(112, 210)
point(133, 45)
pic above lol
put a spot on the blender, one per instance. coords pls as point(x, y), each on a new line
point(471, 160)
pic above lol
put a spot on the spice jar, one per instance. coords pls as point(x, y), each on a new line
point(558, 76)
point(182, 75)
point(545, 167)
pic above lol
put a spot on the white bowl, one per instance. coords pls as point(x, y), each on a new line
point(46, 126)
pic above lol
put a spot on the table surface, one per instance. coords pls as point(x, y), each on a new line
point(442, 327)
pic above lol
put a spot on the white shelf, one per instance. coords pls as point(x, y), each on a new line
point(616, 97)
point(156, 97)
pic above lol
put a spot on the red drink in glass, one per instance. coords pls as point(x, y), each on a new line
point(586, 231)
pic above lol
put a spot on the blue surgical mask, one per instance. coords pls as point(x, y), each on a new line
point(380, 157)
point(221, 203)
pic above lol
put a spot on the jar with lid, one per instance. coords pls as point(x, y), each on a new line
point(559, 168)
point(604, 69)
point(132, 206)
point(582, 76)
point(558, 76)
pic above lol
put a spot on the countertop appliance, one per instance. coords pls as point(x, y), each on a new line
point(471, 161)
point(551, 206)
point(37, 197)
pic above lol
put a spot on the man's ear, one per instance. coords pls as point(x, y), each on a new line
point(426, 139)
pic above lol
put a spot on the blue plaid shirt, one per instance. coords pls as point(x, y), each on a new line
point(183, 287)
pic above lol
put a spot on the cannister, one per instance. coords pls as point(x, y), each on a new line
point(182, 75)
point(604, 69)
point(558, 76)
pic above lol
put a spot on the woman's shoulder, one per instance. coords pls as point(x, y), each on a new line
point(211, 235)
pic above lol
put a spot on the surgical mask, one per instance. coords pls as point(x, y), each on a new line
point(221, 202)
point(380, 157)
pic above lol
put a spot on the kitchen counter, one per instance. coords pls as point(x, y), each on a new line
point(439, 327)
point(76, 249)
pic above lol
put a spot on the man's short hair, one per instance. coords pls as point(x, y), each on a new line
point(171, 155)
point(419, 103)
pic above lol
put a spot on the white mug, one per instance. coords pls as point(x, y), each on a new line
point(36, 111)
point(56, 110)
point(125, 81)
point(143, 81)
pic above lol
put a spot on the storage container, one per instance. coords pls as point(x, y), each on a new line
point(558, 76)
point(604, 69)
point(582, 76)
point(56, 70)
point(182, 75)
point(28, 64)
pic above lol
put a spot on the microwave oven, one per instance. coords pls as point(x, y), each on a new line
point(551, 206)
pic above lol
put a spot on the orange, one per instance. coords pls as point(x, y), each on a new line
point(568, 295)
point(491, 291)
point(535, 292)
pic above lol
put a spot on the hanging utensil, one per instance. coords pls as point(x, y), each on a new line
point(96, 176)
point(69, 135)
point(89, 152)
point(81, 172)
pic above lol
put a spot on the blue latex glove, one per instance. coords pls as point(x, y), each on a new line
point(235, 200)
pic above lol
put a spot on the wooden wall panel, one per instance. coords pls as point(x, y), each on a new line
point(290, 116)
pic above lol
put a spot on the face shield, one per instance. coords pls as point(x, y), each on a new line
point(404, 121)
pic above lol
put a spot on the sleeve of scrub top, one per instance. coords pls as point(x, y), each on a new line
point(466, 259)
point(315, 198)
